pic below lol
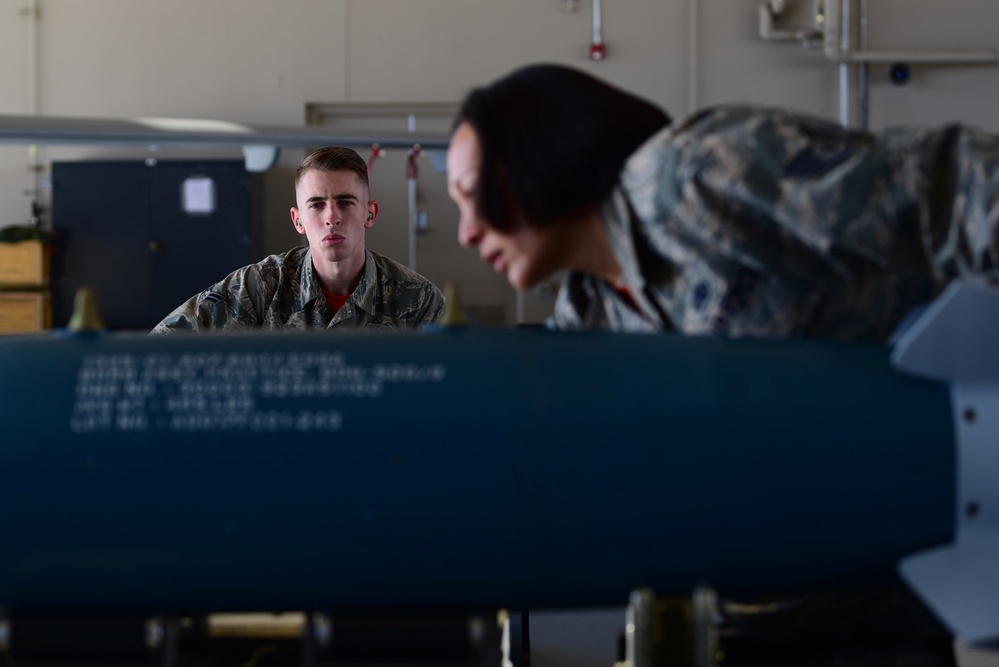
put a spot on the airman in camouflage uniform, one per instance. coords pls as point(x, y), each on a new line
point(333, 282)
point(745, 221)
point(282, 293)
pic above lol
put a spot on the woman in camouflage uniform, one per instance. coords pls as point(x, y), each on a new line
point(738, 221)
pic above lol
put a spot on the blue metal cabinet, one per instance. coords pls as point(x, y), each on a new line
point(123, 230)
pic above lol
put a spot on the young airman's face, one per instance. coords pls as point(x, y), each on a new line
point(333, 212)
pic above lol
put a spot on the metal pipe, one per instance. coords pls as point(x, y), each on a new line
point(32, 13)
point(844, 68)
point(865, 70)
point(976, 57)
point(597, 23)
point(693, 92)
point(34, 162)
point(412, 223)
point(848, 71)
point(412, 174)
point(597, 49)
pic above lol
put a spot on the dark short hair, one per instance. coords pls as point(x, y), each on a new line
point(334, 158)
point(553, 141)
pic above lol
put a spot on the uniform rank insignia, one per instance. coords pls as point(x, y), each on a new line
point(818, 159)
point(212, 297)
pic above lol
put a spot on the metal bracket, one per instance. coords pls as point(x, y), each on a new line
point(772, 12)
point(832, 21)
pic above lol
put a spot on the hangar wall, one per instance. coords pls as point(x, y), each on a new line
point(265, 62)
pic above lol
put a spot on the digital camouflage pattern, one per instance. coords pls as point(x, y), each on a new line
point(282, 292)
point(744, 221)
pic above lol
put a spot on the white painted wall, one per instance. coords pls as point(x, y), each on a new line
point(264, 62)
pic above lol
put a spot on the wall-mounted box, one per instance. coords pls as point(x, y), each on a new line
point(24, 264)
point(25, 312)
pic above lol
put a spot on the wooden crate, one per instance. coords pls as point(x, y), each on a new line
point(24, 263)
point(25, 312)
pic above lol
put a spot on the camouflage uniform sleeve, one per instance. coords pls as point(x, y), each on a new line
point(395, 295)
point(963, 239)
point(775, 224)
point(215, 309)
point(413, 300)
point(232, 303)
point(434, 303)
point(199, 313)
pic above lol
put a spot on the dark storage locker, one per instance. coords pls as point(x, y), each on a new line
point(147, 235)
